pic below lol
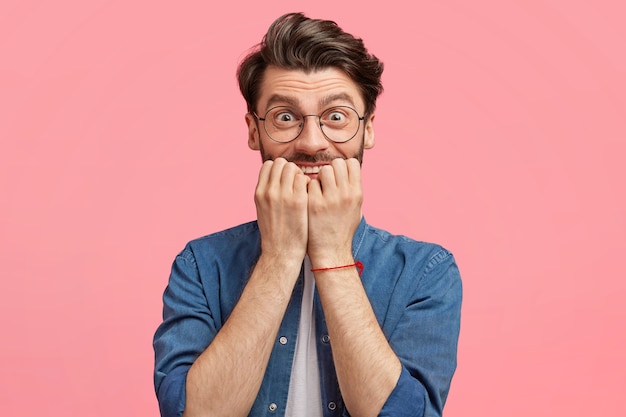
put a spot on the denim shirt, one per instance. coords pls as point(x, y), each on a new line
point(414, 289)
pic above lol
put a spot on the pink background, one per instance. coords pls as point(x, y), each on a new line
point(500, 135)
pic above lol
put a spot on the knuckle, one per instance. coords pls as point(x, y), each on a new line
point(267, 164)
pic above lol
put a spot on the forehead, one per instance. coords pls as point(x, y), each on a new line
point(309, 90)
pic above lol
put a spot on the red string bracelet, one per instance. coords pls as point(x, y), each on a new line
point(358, 264)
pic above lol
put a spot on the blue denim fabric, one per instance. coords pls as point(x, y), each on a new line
point(414, 288)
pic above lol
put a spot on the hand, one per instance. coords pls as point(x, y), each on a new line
point(281, 204)
point(335, 200)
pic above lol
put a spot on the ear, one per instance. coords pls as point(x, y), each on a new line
point(254, 137)
point(253, 132)
point(368, 139)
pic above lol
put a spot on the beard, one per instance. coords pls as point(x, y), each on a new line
point(318, 157)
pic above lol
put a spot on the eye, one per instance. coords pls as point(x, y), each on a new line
point(285, 116)
point(336, 116)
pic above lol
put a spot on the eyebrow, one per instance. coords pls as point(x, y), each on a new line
point(337, 97)
point(280, 99)
point(294, 102)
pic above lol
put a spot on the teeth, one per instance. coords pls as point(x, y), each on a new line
point(310, 169)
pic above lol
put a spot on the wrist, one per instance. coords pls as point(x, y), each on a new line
point(331, 259)
point(280, 262)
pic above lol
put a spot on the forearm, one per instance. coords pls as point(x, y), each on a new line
point(226, 377)
point(367, 368)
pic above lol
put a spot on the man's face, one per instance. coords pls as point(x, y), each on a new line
point(311, 93)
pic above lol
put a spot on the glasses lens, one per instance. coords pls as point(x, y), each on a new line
point(340, 124)
point(283, 124)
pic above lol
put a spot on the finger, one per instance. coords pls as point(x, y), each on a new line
point(288, 175)
point(326, 177)
point(314, 189)
point(340, 170)
point(300, 183)
point(264, 175)
point(276, 172)
point(353, 167)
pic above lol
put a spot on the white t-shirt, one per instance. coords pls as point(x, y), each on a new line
point(305, 398)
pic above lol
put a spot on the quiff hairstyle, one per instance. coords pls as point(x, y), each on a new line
point(297, 42)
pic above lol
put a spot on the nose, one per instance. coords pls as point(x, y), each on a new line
point(311, 140)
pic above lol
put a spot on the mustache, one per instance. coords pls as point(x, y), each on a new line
point(301, 157)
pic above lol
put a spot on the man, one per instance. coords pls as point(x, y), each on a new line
point(308, 311)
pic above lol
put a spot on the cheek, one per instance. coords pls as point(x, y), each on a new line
point(273, 150)
point(352, 149)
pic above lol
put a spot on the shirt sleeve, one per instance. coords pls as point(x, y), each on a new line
point(425, 340)
point(186, 331)
point(407, 398)
point(171, 393)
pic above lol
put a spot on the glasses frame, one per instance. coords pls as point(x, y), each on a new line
point(304, 116)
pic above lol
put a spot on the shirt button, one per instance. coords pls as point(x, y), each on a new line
point(332, 406)
point(273, 407)
point(326, 338)
point(283, 340)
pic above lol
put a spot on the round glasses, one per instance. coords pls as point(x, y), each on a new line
point(283, 124)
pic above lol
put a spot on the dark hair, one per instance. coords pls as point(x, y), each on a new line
point(295, 41)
